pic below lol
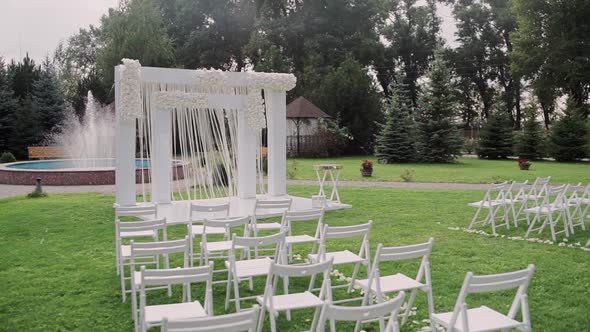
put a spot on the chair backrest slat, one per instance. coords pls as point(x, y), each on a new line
point(252, 242)
point(304, 215)
point(334, 232)
point(227, 222)
point(136, 211)
point(139, 249)
point(246, 320)
point(139, 226)
point(300, 270)
point(200, 211)
point(165, 277)
point(386, 254)
point(368, 312)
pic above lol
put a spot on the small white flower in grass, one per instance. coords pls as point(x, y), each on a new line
point(561, 244)
point(565, 239)
point(577, 244)
point(426, 320)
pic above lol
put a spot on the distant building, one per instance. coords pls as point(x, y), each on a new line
point(303, 124)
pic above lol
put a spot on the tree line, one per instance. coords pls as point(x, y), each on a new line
point(356, 59)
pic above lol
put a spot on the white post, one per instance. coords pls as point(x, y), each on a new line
point(276, 113)
point(125, 151)
point(246, 158)
point(161, 159)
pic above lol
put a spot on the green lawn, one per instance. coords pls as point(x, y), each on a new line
point(465, 170)
point(57, 263)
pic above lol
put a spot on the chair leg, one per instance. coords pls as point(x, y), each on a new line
point(228, 288)
point(410, 303)
point(354, 273)
point(430, 300)
point(311, 283)
point(261, 318)
point(273, 321)
point(286, 290)
point(123, 295)
point(551, 226)
point(474, 219)
point(237, 292)
point(531, 224)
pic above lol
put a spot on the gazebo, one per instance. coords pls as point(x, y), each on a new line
point(303, 122)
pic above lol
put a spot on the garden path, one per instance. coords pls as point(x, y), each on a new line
point(13, 190)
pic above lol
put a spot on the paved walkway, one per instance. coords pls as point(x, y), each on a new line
point(12, 190)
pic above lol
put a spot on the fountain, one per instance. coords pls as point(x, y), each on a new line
point(88, 145)
point(90, 140)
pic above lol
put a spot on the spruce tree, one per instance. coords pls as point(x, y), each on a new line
point(495, 138)
point(568, 140)
point(530, 141)
point(8, 106)
point(28, 132)
point(48, 102)
point(438, 138)
point(394, 142)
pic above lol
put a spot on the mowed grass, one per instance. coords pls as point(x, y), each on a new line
point(464, 170)
point(57, 263)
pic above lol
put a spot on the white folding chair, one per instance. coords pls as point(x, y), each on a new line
point(153, 315)
point(126, 230)
point(274, 303)
point(493, 202)
point(463, 319)
point(290, 217)
point(268, 208)
point(577, 199)
point(380, 285)
point(515, 200)
point(216, 249)
point(553, 203)
point(197, 214)
point(537, 191)
point(154, 250)
point(381, 311)
point(243, 321)
point(344, 256)
point(250, 264)
point(141, 212)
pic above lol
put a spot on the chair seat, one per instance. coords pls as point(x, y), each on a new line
point(197, 230)
point(220, 246)
point(251, 267)
point(485, 204)
point(392, 283)
point(340, 257)
point(300, 239)
point(128, 234)
point(579, 200)
point(125, 251)
point(544, 209)
point(479, 319)
point(512, 200)
point(175, 311)
point(293, 301)
point(268, 226)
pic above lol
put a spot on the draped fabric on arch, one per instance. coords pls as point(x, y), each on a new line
point(204, 140)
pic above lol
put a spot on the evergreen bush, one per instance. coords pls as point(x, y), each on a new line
point(529, 143)
point(568, 140)
point(7, 157)
point(495, 139)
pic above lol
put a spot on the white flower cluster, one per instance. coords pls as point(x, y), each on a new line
point(180, 100)
point(271, 81)
point(254, 110)
point(211, 78)
point(564, 242)
point(131, 103)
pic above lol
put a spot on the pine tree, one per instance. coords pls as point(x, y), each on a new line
point(495, 139)
point(394, 142)
point(8, 106)
point(28, 132)
point(438, 137)
point(48, 103)
point(568, 140)
point(530, 141)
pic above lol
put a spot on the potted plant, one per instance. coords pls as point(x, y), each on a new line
point(366, 168)
point(524, 164)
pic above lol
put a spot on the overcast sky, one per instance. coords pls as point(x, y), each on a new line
point(37, 26)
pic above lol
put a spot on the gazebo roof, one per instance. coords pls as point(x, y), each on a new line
point(303, 108)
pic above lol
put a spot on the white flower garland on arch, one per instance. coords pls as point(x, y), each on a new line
point(213, 79)
point(131, 103)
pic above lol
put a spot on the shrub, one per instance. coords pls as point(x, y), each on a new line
point(495, 139)
point(568, 140)
point(7, 157)
point(408, 175)
point(529, 143)
point(469, 145)
point(292, 170)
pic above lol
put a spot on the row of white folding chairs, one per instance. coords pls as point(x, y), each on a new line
point(568, 202)
point(376, 284)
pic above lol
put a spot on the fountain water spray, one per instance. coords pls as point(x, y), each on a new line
point(90, 139)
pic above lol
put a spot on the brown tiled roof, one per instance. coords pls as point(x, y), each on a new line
point(303, 108)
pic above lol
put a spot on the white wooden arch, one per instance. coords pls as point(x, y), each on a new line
point(161, 154)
